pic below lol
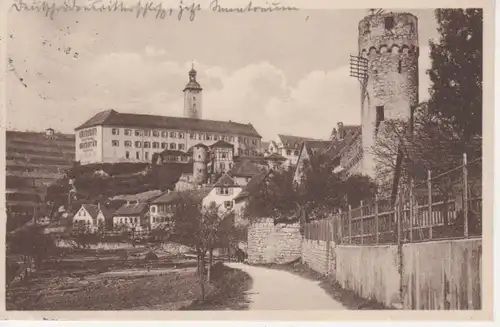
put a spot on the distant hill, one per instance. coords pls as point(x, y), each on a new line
point(34, 160)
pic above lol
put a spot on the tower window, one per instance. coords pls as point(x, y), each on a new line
point(380, 116)
point(389, 23)
point(399, 67)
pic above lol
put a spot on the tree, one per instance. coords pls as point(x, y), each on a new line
point(31, 242)
point(202, 228)
point(456, 72)
point(320, 192)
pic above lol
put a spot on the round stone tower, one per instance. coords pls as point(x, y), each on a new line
point(388, 42)
point(200, 158)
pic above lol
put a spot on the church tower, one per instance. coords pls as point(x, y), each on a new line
point(387, 68)
point(192, 97)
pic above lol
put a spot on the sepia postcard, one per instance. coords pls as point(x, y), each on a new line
point(247, 160)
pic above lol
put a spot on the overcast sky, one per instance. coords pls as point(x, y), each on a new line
point(285, 72)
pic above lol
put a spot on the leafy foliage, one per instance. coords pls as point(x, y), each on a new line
point(456, 72)
point(320, 191)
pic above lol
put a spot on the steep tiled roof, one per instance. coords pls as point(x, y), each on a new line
point(252, 185)
point(141, 197)
point(114, 118)
point(168, 152)
point(196, 195)
point(348, 129)
point(313, 146)
point(222, 144)
point(294, 142)
point(107, 212)
point(225, 180)
point(245, 168)
point(91, 209)
point(338, 146)
point(132, 209)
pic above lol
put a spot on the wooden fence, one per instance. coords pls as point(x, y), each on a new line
point(415, 216)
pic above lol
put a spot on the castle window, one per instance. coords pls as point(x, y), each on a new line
point(147, 144)
point(146, 155)
point(380, 116)
point(128, 144)
point(172, 146)
point(115, 131)
point(156, 133)
point(115, 143)
point(399, 67)
point(172, 134)
point(389, 23)
point(156, 145)
point(181, 146)
point(192, 136)
point(137, 132)
point(181, 135)
point(164, 134)
point(127, 154)
point(147, 132)
point(163, 145)
point(128, 132)
point(137, 144)
point(216, 137)
point(208, 137)
point(288, 152)
point(137, 155)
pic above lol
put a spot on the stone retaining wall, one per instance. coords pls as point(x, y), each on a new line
point(270, 243)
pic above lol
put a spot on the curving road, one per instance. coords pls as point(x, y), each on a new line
point(281, 290)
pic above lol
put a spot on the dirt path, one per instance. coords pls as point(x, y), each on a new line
point(280, 290)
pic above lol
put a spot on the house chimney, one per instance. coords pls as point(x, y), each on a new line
point(98, 206)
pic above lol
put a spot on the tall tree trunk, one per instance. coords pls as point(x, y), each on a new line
point(202, 277)
point(210, 262)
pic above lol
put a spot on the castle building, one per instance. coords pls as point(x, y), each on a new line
point(388, 46)
point(111, 136)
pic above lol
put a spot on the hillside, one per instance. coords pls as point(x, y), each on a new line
point(33, 162)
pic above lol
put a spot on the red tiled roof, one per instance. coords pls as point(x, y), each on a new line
point(114, 118)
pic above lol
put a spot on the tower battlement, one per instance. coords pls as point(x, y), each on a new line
point(388, 29)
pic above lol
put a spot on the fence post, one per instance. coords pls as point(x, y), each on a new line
point(410, 212)
point(429, 200)
point(400, 213)
point(349, 217)
point(376, 219)
point(362, 220)
point(341, 229)
point(466, 199)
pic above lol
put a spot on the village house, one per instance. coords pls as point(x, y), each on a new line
point(289, 147)
point(344, 148)
point(131, 216)
point(91, 217)
point(244, 170)
point(222, 193)
point(163, 207)
point(241, 200)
